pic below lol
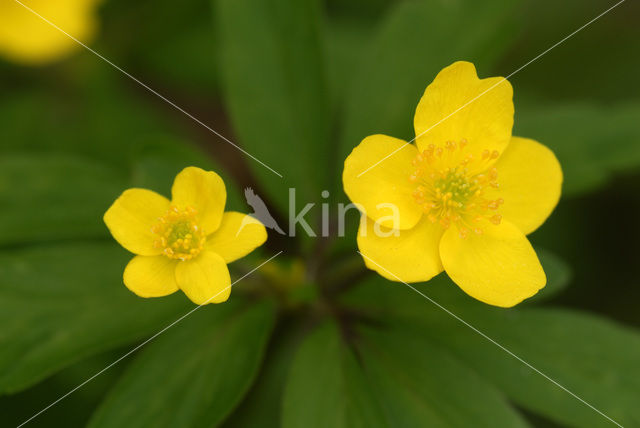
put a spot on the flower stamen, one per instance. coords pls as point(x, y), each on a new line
point(179, 236)
point(450, 190)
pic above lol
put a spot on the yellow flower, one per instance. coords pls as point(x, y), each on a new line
point(467, 192)
point(185, 243)
point(26, 38)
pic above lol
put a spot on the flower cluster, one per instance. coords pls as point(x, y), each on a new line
point(467, 193)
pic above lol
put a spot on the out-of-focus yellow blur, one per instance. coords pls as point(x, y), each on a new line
point(28, 39)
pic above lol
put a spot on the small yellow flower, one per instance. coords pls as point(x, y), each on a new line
point(185, 243)
point(28, 39)
point(467, 192)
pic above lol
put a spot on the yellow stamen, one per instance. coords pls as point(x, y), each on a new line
point(450, 189)
point(179, 236)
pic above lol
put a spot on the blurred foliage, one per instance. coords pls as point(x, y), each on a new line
point(214, 356)
point(298, 83)
point(59, 305)
point(591, 141)
point(73, 207)
point(590, 356)
point(274, 87)
point(389, 382)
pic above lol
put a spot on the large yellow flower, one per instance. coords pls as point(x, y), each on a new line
point(26, 38)
point(467, 192)
point(184, 243)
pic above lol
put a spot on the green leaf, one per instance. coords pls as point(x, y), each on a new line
point(391, 379)
point(560, 343)
point(180, 61)
point(419, 384)
point(76, 408)
point(326, 387)
point(274, 87)
point(262, 405)
point(19, 110)
point(61, 303)
point(592, 142)
point(570, 72)
point(46, 197)
point(416, 41)
point(345, 41)
point(202, 367)
point(170, 49)
point(96, 119)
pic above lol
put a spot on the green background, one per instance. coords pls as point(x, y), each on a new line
point(313, 339)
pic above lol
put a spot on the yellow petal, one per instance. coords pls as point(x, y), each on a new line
point(457, 105)
point(498, 267)
point(28, 39)
point(238, 235)
point(205, 192)
point(412, 256)
point(151, 276)
point(376, 177)
point(131, 218)
point(530, 180)
point(205, 279)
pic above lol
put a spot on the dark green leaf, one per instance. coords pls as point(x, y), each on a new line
point(263, 404)
point(76, 408)
point(326, 386)
point(47, 197)
point(570, 71)
point(592, 142)
point(396, 380)
point(98, 119)
point(172, 44)
point(195, 373)
point(419, 384)
point(345, 43)
point(18, 112)
point(272, 67)
point(60, 303)
point(184, 61)
point(559, 343)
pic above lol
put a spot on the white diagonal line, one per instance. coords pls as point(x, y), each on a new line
point(146, 341)
point(153, 91)
point(491, 340)
point(493, 86)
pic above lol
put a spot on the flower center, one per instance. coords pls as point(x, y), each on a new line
point(451, 186)
point(179, 235)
